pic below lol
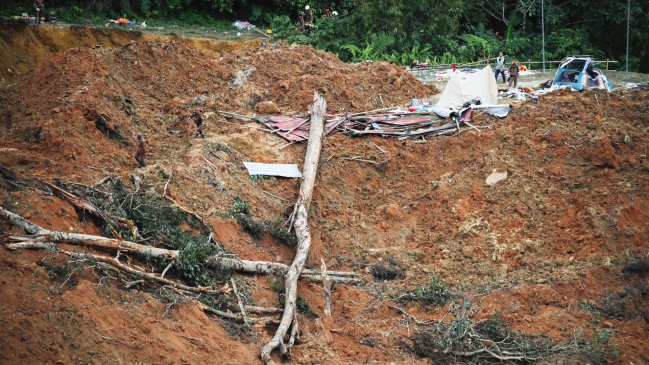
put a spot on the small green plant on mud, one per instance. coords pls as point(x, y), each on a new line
point(240, 206)
point(437, 292)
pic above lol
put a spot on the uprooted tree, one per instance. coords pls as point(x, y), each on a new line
point(300, 224)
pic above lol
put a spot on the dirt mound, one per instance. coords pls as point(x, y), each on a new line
point(147, 87)
point(23, 46)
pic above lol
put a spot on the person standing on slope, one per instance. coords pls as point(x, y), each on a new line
point(199, 121)
point(140, 154)
point(513, 74)
point(308, 16)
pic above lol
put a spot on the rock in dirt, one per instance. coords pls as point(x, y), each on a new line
point(241, 77)
point(496, 177)
point(267, 107)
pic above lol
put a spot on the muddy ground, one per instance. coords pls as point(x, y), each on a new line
point(548, 249)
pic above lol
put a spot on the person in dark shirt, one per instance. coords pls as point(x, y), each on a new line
point(513, 74)
point(40, 10)
point(140, 154)
point(308, 17)
point(199, 121)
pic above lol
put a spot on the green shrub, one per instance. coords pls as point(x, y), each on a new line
point(251, 225)
point(437, 292)
point(240, 206)
point(281, 234)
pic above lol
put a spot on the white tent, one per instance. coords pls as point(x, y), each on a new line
point(462, 87)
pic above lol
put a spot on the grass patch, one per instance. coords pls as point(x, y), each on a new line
point(302, 306)
point(251, 225)
point(240, 206)
point(257, 178)
point(241, 212)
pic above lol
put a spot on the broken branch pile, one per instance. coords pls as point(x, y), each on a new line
point(462, 340)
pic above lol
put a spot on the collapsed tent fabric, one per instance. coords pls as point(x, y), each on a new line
point(499, 111)
point(463, 87)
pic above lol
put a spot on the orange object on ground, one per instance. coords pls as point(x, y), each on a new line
point(522, 68)
point(121, 21)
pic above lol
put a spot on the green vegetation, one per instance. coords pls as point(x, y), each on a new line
point(450, 31)
point(257, 178)
point(240, 206)
point(158, 223)
point(437, 292)
point(281, 234)
point(241, 212)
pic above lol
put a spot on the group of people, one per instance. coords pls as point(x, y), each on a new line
point(307, 21)
point(199, 121)
point(500, 70)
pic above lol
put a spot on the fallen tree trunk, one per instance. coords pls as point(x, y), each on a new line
point(300, 224)
point(43, 236)
point(272, 268)
point(113, 262)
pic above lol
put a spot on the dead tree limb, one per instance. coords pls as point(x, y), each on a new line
point(43, 236)
point(326, 283)
point(276, 268)
point(236, 316)
point(300, 224)
point(85, 206)
point(114, 263)
point(239, 301)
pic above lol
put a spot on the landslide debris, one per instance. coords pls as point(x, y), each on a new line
point(559, 231)
point(147, 87)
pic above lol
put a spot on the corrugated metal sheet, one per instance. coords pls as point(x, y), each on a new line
point(273, 169)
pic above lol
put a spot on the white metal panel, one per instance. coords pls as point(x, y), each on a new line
point(273, 169)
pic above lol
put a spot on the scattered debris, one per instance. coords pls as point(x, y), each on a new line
point(241, 77)
point(296, 129)
point(579, 73)
point(496, 177)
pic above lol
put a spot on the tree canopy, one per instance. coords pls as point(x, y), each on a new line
point(442, 31)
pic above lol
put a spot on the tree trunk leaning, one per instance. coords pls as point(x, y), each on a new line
point(300, 224)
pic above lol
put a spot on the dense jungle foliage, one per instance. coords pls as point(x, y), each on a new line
point(450, 31)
